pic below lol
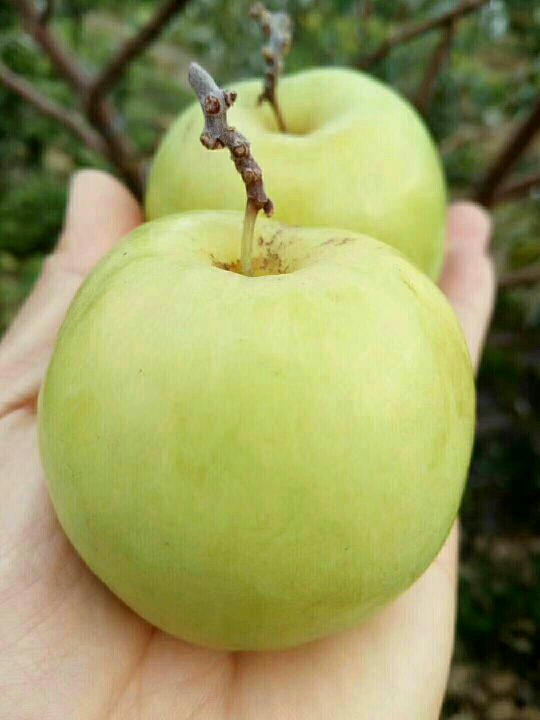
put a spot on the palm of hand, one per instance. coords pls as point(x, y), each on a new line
point(70, 649)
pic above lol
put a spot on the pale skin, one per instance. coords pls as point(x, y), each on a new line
point(70, 649)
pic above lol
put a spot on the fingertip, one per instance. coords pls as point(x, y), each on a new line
point(100, 211)
point(469, 223)
point(468, 277)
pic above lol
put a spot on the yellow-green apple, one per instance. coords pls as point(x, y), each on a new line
point(355, 155)
point(255, 462)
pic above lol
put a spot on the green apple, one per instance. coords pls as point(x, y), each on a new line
point(356, 155)
point(255, 462)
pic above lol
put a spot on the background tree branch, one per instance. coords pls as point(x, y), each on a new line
point(517, 189)
point(103, 131)
point(130, 50)
point(416, 30)
point(66, 64)
point(518, 142)
point(47, 12)
point(437, 62)
point(73, 121)
point(527, 275)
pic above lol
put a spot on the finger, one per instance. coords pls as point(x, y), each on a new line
point(100, 211)
point(468, 278)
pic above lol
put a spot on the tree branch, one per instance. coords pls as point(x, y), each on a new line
point(528, 275)
point(438, 59)
point(104, 118)
point(66, 63)
point(410, 33)
point(514, 148)
point(69, 119)
point(132, 48)
point(47, 12)
point(119, 147)
point(516, 189)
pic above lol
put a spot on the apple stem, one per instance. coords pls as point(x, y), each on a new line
point(248, 230)
point(218, 134)
point(277, 29)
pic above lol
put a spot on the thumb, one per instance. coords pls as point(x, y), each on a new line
point(100, 211)
point(468, 278)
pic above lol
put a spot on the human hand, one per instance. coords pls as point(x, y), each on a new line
point(70, 650)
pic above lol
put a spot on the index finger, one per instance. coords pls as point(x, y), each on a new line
point(468, 278)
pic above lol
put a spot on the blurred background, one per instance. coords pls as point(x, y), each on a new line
point(475, 77)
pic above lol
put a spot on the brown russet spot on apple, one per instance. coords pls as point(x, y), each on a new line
point(409, 284)
point(339, 241)
point(268, 264)
point(276, 235)
point(271, 240)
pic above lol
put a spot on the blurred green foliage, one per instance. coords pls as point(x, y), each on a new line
point(491, 82)
point(30, 211)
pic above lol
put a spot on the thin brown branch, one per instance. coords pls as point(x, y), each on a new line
point(131, 49)
point(511, 152)
point(517, 189)
point(277, 29)
point(119, 147)
point(492, 424)
point(47, 12)
point(514, 339)
point(469, 134)
point(69, 119)
point(104, 119)
point(66, 63)
point(438, 60)
point(413, 31)
point(528, 275)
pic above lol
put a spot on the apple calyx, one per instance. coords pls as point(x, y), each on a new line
point(277, 29)
point(218, 134)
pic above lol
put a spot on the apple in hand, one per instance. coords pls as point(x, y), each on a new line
point(254, 462)
point(355, 155)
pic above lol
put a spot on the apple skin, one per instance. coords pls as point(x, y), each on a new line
point(254, 462)
point(356, 155)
